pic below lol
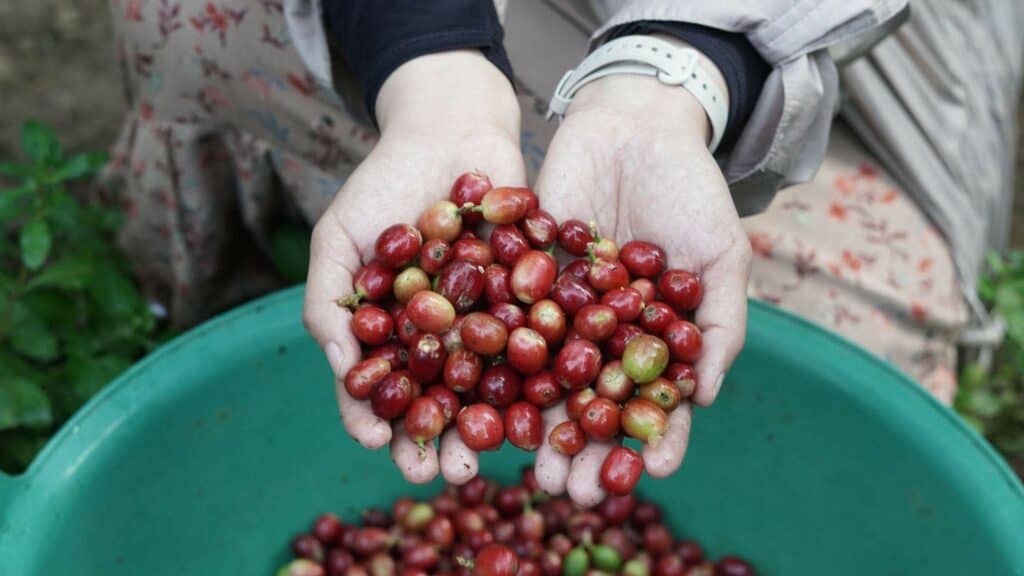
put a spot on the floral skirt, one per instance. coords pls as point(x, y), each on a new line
point(228, 135)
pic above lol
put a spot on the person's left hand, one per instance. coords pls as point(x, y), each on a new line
point(631, 155)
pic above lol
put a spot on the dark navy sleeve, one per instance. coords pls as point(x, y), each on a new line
point(375, 37)
point(744, 69)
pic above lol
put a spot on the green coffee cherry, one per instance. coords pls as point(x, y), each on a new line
point(635, 568)
point(605, 558)
point(576, 562)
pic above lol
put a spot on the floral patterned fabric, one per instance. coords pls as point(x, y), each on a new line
point(228, 134)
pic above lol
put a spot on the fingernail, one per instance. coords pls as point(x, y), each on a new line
point(334, 357)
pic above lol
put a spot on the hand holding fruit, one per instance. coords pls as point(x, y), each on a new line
point(426, 142)
point(631, 156)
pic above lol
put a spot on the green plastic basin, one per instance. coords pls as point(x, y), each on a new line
point(206, 457)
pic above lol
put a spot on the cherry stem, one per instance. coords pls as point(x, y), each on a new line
point(351, 301)
point(465, 562)
point(470, 207)
point(594, 232)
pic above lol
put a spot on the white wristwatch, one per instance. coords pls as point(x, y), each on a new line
point(647, 56)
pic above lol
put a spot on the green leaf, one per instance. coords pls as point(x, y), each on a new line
point(30, 336)
point(113, 292)
point(69, 272)
point(39, 143)
point(36, 242)
point(12, 202)
point(15, 170)
point(18, 448)
point(23, 403)
point(79, 166)
point(85, 376)
point(982, 403)
point(289, 251)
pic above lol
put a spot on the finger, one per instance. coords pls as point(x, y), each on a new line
point(360, 422)
point(551, 468)
point(722, 318)
point(665, 457)
point(585, 477)
point(459, 464)
point(418, 464)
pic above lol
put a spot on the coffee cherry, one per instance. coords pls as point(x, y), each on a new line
point(373, 282)
point(645, 513)
point(527, 351)
point(646, 288)
point(421, 557)
point(644, 420)
point(681, 289)
point(509, 244)
point(392, 396)
point(645, 358)
point(635, 567)
point(524, 426)
point(483, 334)
point(511, 315)
point(409, 282)
point(684, 376)
point(306, 546)
point(496, 560)
point(301, 567)
point(470, 188)
point(473, 250)
point(613, 384)
point(364, 376)
point(424, 420)
point(670, 565)
point(440, 532)
point(577, 401)
point(576, 563)
point(600, 419)
point(657, 539)
point(462, 370)
point(616, 345)
point(540, 228)
point(440, 221)
point(603, 249)
point(481, 427)
point(338, 562)
point(567, 438)
point(472, 493)
point(607, 275)
point(605, 558)
point(533, 276)
point(595, 322)
point(449, 401)
point(548, 319)
point(506, 205)
point(372, 325)
point(398, 245)
point(542, 390)
point(643, 259)
point(616, 510)
point(656, 316)
point(577, 269)
point(430, 312)
point(435, 255)
point(497, 284)
point(499, 386)
point(381, 564)
point(574, 236)
point(406, 331)
point(691, 552)
point(375, 517)
point(426, 357)
point(395, 355)
point(621, 470)
point(327, 528)
point(572, 294)
point(733, 566)
point(461, 283)
point(662, 393)
point(684, 341)
point(577, 364)
point(626, 302)
point(551, 563)
point(370, 540)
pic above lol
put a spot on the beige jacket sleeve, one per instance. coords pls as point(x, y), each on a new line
point(785, 138)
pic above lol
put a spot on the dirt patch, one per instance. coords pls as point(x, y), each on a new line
point(58, 65)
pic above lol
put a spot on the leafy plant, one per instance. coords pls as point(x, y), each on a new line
point(71, 317)
point(993, 401)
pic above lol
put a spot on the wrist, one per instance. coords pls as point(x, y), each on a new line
point(452, 91)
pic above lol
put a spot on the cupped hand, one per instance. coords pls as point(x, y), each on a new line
point(631, 155)
point(441, 115)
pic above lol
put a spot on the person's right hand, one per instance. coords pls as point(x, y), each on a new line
point(440, 115)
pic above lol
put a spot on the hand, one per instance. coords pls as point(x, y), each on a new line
point(631, 155)
point(441, 115)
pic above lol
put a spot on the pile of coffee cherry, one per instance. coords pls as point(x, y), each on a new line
point(484, 334)
point(481, 529)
